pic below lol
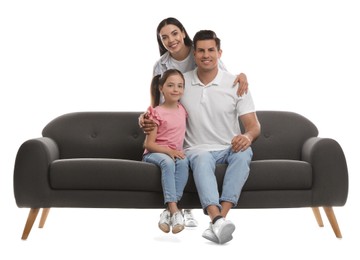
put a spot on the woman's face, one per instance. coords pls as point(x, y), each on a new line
point(172, 38)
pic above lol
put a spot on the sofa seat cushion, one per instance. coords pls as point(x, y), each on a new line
point(279, 175)
point(274, 175)
point(104, 174)
point(128, 175)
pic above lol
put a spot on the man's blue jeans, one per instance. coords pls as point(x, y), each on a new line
point(203, 165)
point(174, 174)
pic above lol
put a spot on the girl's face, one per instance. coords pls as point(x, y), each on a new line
point(173, 88)
point(172, 38)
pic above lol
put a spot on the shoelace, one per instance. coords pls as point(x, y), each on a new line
point(165, 216)
point(178, 218)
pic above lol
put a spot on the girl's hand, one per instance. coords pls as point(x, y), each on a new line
point(174, 154)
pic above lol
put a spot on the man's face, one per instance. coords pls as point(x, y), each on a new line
point(207, 54)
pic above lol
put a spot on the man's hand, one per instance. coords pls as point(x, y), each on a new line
point(240, 143)
point(146, 124)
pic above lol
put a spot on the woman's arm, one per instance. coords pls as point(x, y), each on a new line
point(243, 84)
point(241, 79)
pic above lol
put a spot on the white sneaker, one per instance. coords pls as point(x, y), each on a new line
point(223, 230)
point(209, 234)
point(190, 221)
point(177, 222)
point(164, 223)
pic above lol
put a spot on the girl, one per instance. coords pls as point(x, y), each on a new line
point(164, 144)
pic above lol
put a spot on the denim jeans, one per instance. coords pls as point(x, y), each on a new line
point(203, 164)
point(174, 174)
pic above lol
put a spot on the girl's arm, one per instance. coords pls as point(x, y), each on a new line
point(151, 145)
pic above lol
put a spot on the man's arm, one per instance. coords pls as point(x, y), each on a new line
point(252, 131)
point(146, 124)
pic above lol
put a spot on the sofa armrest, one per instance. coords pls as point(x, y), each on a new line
point(330, 174)
point(31, 178)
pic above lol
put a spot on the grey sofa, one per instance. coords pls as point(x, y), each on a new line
point(93, 160)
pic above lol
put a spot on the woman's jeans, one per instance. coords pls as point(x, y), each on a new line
point(203, 164)
point(174, 174)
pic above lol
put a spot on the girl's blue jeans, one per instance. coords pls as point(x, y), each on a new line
point(174, 174)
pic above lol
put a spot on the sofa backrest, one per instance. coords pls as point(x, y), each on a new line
point(97, 135)
point(117, 135)
point(282, 135)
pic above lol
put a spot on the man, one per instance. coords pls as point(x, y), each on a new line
point(213, 134)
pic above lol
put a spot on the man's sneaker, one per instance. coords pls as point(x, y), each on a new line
point(177, 222)
point(164, 223)
point(190, 221)
point(223, 230)
point(209, 234)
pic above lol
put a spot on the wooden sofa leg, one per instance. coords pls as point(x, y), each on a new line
point(318, 216)
point(333, 222)
point(45, 213)
point(29, 222)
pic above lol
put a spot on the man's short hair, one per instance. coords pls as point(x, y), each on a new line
point(206, 35)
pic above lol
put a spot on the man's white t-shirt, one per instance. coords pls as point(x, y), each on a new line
point(213, 111)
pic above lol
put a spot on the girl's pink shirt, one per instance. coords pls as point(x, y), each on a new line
point(171, 126)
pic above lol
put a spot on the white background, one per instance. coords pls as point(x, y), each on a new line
point(65, 56)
